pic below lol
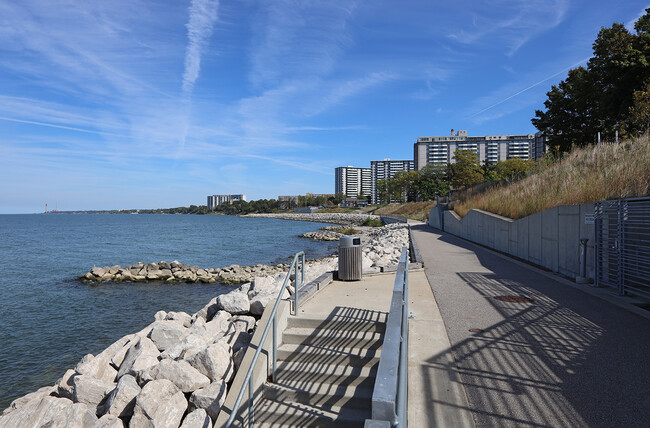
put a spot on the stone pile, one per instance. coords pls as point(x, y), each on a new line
point(322, 235)
point(175, 372)
point(176, 272)
point(348, 219)
point(385, 245)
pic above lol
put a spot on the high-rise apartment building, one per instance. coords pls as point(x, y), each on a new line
point(387, 168)
point(490, 148)
point(215, 200)
point(353, 181)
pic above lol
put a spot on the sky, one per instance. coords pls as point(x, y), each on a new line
point(157, 104)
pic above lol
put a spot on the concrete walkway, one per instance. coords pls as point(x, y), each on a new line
point(436, 398)
point(566, 359)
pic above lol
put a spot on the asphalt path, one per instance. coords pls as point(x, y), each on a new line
point(563, 359)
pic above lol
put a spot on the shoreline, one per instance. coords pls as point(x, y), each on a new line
point(206, 346)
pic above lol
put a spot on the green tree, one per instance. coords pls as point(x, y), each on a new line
point(383, 194)
point(513, 169)
point(431, 182)
point(466, 172)
point(607, 96)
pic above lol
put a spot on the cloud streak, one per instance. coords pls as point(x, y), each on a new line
point(203, 15)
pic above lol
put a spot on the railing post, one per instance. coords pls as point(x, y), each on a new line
point(275, 345)
point(250, 401)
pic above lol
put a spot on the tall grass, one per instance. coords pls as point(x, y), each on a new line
point(414, 210)
point(584, 175)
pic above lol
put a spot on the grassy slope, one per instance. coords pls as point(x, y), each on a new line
point(585, 175)
point(414, 210)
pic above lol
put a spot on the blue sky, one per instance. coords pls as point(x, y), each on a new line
point(153, 104)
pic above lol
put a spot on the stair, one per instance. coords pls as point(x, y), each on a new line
point(326, 373)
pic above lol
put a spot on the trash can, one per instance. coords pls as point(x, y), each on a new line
point(350, 258)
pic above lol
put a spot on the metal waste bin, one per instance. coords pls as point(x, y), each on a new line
point(350, 258)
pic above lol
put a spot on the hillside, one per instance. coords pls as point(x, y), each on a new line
point(584, 175)
point(413, 210)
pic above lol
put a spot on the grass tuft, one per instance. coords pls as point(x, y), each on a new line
point(584, 175)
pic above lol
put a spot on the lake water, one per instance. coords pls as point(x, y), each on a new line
point(49, 320)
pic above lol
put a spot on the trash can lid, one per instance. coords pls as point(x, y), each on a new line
point(349, 241)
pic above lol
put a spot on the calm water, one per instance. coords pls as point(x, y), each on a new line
point(49, 320)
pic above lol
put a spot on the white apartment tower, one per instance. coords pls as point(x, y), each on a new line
point(387, 168)
point(490, 148)
point(215, 200)
point(352, 181)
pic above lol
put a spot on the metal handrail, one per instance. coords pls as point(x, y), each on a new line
point(273, 317)
point(390, 394)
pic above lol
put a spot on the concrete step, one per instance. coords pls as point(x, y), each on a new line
point(322, 395)
point(332, 338)
point(292, 373)
point(372, 322)
point(271, 413)
point(326, 356)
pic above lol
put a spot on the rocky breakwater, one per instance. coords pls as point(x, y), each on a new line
point(347, 219)
point(385, 245)
point(176, 272)
point(175, 372)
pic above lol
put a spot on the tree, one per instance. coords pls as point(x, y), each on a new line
point(383, 193)
point(431, 182)
point(466, 172)
point(607, 96)
point(513, 169)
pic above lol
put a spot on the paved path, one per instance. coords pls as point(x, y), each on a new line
point(568, 359)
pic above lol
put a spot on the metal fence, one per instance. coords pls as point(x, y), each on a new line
point(623, 245)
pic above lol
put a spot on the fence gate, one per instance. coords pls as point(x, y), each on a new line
point(623, 245)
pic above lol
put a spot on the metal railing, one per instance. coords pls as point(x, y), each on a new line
point(390, 394)
point(273, 322)
point(623, 245)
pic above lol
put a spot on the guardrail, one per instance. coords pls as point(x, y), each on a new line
point(273, 317)
point(389, 397)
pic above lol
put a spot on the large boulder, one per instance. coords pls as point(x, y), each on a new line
point(64, 385)
point(51, 412)
point(207, 312)
point(183, 317)
point(121, 400)
point(197, 419)
point(235, 303)
point(211, 398)
point(109, 421)
point(87, 389)
point(160, 404)
point(140, 356)
point(98, 367)
point(180, 372)
point(214, 362)
point(166, 334)
point(25, 399)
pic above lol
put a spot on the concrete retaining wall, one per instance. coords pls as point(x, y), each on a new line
point(390, 219)
point(550, 239)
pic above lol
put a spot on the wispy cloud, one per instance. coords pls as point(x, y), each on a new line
point(630, 24)
point(512, 22)
point(509, 97)
point(203, 14)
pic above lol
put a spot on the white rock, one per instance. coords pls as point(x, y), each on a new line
point(87, 389)
point(32, 396)
point(197, 419)
point(211, 398)
point(160, 315)
point(166, 334)
point(98, 367)
point(160, 404)
point(183, 317)
point(118, 358)
point(179, 372)
point(64, 385)
point(51, 412)
point(235, 303)
point(121, 400)
point(243, 323)
point(214, 361)
point(108, 421)
point(115, 347)
point(140, 356)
